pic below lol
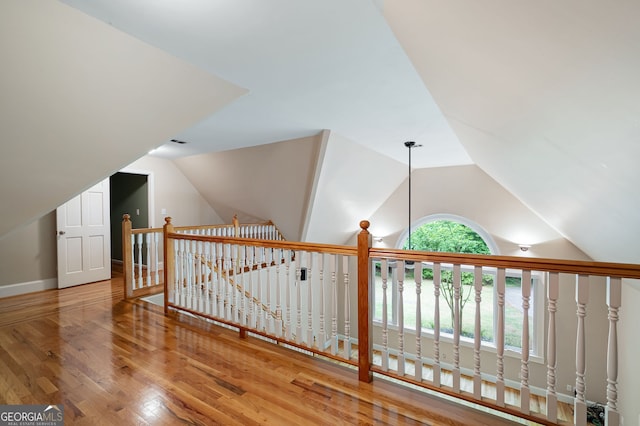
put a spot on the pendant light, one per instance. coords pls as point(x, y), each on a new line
point(411, 145)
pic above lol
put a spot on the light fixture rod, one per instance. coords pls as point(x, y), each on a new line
point(410, 145)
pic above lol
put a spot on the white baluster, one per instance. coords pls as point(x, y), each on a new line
point(200, 274)
point(384, 272)
point(436, 325)
point(299, 258)
point(140, 276)
point(457, 297)
point(252, 307)
point(525, 392)
point(347, 307)
point(180, 273)
point(500, 338)
point(321, 332)
point(133, 260)
point(268, 259)
point(208, 278)
point(417, 274)
point(309, 299)
point(553, 291)
point(260, 306)
point(582, 298)
point(174, 294)
point(156, 241)
point(400, 280)
point(235, 299)
point(189, 246)
point(334, 305)
point(278, 320)
point(243, 300)
point(614, 301)
point(288, 255)
point(220, 286)
point(148, 251)
point(228, 286)
point(477, 335)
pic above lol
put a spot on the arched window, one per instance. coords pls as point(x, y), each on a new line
point(448, 233)
point(455, 234)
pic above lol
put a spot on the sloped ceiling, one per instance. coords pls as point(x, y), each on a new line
point(545, 98)
point(351, 183)
point(542, 96)
point(81, 100)
point(265, 182)
point(310, 66)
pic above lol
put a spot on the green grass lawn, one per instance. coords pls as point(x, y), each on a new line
point(513, 314)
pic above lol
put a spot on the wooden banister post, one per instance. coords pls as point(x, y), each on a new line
point(365, 340)
point(127, 261)
point(169, 261)
point(236, 226)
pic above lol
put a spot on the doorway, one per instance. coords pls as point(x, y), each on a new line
point(130, 195)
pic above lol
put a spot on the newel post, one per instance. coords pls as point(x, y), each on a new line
point(236, 226)
point(127, 261)
point(169, 260)
point(364, 306)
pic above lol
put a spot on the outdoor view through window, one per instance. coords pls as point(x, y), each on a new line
point(455, 237)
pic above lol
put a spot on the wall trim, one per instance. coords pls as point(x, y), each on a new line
point(28, 287)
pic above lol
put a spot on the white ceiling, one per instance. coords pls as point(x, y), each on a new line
point(308, 66)
point(543, 96)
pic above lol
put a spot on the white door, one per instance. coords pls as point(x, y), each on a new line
point(84, 238)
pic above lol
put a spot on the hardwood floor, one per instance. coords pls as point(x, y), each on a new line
point(119, 362)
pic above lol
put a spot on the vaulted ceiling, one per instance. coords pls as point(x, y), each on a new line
point(543, 96)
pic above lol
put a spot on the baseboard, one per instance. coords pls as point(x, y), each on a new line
point(28, 287)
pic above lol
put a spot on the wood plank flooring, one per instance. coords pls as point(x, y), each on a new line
point(116, 362)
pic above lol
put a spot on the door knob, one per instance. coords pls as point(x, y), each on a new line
point(61, 233)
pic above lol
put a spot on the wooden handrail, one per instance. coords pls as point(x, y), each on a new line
point(145, 230)
point(623, 270)
point(289, 245)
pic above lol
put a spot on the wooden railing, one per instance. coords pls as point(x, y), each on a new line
point(142, 251)
point(288, 292)
point(310, 295)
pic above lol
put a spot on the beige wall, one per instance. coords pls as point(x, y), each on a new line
point(175, 193)
point(29, 254)
point(266, 182)
point(120, 96)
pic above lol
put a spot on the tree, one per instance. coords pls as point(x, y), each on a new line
point(451, 237)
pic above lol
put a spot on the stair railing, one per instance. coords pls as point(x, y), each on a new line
point(142, 250)
point(368, 307)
